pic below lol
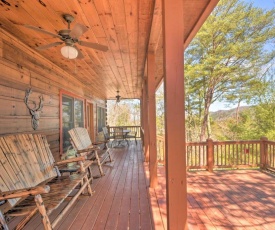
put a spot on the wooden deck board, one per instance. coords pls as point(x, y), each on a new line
point(239, 199)
point(120, 201)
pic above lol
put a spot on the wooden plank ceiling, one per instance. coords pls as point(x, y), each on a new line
point(130, 28)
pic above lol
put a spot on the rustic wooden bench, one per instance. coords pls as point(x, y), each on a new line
point(83, 145)
point(30, 181)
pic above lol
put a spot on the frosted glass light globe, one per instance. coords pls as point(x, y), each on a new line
point(69, 52)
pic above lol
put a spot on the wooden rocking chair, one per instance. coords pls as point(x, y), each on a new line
point(83, 145)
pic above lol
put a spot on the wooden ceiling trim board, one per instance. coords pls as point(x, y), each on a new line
point(132, 13)
point(159, 62)
point(40, 14)
point(105, 16)
point(88, 8)
point(156, 28)
point(145, 21)
point(119, 18)
point(205, 13)
point(14, 17)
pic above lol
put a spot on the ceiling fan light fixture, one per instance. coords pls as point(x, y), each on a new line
point(69, 52)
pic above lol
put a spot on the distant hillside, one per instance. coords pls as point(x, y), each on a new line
point(224, 114)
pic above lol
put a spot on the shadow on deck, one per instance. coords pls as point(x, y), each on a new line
point(237, 199)
point(120, 200)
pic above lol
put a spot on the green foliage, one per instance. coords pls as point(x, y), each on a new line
point(227, 58)
point(124, 113)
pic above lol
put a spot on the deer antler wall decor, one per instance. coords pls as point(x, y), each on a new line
point(35, 112)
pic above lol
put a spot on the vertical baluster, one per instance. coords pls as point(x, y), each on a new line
point(225, 154)
point(187, 156)
point(238, 154)
point(233, 154)
point(253, 154)
point(220, 153)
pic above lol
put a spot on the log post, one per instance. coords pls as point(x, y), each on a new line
point(263, 152)
point(210, 154)
point(42, 210)
point(153, 161)
point(146, 124)
point(175, 142)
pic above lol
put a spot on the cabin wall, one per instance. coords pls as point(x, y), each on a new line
point(22, 68)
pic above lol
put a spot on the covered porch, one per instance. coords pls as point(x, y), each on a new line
point(145, 43)
point(235, 199)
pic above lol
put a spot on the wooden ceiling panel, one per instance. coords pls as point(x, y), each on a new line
point(128, 27)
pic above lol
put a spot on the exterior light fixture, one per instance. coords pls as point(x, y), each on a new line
point(69, 52)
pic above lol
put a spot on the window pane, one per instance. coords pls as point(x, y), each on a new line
point(100, 118)
point(67, 120)
point(78, 112)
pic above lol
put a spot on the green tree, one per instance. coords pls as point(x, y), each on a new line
point(124, 113)
point(226, 59)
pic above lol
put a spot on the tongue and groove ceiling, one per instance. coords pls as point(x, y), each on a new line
point(130, 29)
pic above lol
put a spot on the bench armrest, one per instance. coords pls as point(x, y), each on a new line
point(100, 142)
point(24, 192)
point(87, 149)
point(75, 159)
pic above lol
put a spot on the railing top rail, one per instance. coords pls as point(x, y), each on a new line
point(236, 142)
point(196, 143)
point(131, 126)
point(270, 142)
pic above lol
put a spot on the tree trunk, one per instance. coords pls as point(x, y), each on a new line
point(207, 103)
point(238, 112)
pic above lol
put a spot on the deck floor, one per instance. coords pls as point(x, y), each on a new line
point(121, 199)
point(238, 199)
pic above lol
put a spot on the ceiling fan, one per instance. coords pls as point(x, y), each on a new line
point(70, 37)
point(117, 98)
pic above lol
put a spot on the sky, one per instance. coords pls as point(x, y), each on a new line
point(265, 4)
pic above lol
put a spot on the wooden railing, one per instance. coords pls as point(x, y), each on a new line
point(227, 154)
point(132, 128)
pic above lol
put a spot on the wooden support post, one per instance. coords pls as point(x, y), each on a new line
point(263, 152)
point(146, 124)
point(42, 210)
point(210, 154)
point(173, 43)
point(142, 119)
point(153, 161)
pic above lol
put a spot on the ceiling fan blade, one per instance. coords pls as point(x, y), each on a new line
point(80, 54)
point(93, 45)
point(49, 45)
point(78, 30)
point(42, 31)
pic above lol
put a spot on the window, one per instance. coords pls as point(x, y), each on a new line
point(72, 116)
point(101, 118)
